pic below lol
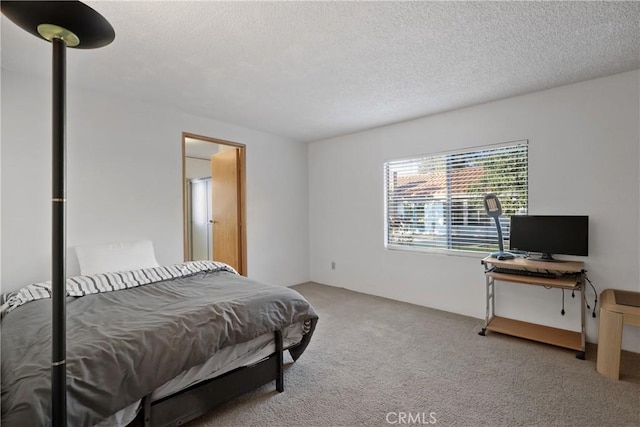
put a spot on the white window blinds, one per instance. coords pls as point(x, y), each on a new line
point(436, 201)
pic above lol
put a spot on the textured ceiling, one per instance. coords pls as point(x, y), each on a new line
point(312, 70)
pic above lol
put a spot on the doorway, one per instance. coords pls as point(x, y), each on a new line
point(213, 200)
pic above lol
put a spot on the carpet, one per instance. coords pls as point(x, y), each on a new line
point(378, 362)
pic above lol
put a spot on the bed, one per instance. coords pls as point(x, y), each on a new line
point(157, 346)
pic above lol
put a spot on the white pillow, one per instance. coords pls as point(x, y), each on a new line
point(119, 256)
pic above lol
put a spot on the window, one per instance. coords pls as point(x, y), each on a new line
point(436, 201)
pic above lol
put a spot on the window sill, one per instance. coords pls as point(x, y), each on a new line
point(433, 251)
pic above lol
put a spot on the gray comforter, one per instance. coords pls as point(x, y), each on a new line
point(122, 345)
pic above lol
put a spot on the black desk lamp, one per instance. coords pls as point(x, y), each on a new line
point(494, 209)
point(72, 24)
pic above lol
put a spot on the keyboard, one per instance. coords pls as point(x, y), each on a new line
point(531, 273)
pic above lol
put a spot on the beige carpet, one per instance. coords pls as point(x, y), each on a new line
point(378, 362)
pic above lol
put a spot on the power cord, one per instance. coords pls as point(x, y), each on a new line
point(595, 293)
point(584, 296)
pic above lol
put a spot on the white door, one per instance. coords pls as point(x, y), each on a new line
point(200, 216)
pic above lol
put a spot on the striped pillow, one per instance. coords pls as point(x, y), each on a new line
point(106, 282)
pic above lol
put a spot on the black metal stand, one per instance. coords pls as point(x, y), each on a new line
point(58, 239)
point(73, 24)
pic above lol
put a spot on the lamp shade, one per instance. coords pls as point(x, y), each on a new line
point(492, 205)
point(87, 28)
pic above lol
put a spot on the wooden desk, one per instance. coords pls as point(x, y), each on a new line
point(571, 278)
point(617, 308)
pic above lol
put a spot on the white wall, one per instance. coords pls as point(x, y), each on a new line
point(197, 168)
point(583, 159)
point(124, 182)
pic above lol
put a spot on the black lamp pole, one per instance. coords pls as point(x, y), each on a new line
point(58, 238)
point(64, 24)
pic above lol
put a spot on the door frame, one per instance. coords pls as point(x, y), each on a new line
point(241, 195)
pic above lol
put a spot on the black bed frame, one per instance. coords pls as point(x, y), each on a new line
point(194, 401)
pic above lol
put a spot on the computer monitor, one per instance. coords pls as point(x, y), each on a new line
point(550, 235)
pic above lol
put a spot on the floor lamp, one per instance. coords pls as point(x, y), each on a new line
point(64, 24)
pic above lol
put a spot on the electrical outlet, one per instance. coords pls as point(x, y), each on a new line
point(333, 265)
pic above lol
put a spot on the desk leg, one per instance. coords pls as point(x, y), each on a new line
point(583, 331)
point(609, 344)
point(490, 308)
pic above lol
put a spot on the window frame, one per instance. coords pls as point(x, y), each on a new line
point(449, 229)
